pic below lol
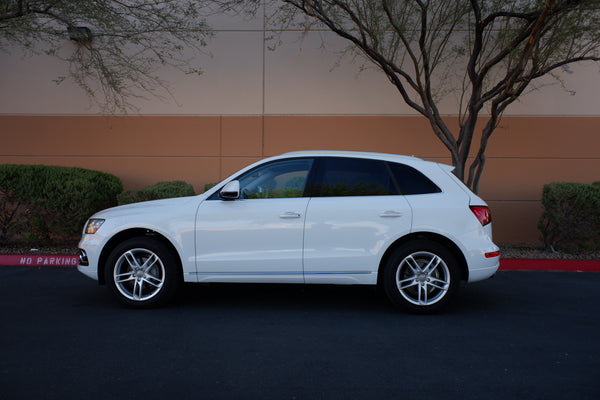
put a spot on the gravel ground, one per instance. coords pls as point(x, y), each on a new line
point(507, 250)
point(524, 250)
point(62, 248)
point(39, 250)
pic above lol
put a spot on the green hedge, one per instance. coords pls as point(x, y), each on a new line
point(571, 217)
point(37, 202)
point(161, 190)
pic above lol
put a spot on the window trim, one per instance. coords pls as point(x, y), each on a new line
point(316, 172)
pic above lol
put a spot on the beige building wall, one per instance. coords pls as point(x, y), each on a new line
point(252, 102)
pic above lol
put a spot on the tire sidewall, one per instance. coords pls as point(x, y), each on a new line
point(393, 263)
point(172, 276)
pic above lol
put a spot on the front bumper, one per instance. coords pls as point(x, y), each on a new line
point(89, 256)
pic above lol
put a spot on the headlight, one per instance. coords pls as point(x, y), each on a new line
point(93, 225)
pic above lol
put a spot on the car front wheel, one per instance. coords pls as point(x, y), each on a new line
point(143, 273)
point(421, 276)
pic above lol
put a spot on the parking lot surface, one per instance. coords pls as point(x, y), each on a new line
point(525, 335)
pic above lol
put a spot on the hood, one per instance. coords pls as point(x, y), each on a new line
point(179, 203)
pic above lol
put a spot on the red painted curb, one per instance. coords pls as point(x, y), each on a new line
point(542, 264)
point(61, 260)
point(506, 264)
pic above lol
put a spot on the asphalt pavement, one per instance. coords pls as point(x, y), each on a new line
point(521, 335)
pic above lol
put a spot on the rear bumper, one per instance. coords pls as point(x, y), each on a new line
point(485, 270)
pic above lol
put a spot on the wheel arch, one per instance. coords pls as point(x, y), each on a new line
point(130, 234)
point(434, 237)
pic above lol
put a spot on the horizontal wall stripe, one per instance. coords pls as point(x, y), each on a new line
point(523, 154)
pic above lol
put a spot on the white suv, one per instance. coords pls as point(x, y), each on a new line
point(324, 217)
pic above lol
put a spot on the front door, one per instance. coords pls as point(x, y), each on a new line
point(259, 236)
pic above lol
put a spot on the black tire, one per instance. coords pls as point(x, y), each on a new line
point(421, 276)
point(143, 273)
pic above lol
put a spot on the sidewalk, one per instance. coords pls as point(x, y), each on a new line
point(506, 264)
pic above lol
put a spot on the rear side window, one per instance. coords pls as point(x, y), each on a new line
point(353, 177)
point(410, 181)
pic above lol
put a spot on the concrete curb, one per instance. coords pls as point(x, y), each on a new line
point(506, 264)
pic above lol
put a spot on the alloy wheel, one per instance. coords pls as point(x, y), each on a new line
point(139, 274)
point(423, 278)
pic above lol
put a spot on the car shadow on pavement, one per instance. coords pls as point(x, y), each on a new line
point(281, 296)
point(471, 298)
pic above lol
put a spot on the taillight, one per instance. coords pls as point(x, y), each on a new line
point(482, 213)
point(492, 254)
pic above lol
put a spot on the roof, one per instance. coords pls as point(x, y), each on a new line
point(348, 153)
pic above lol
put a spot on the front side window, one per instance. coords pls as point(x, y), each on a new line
point(279, 179)
point(354, 177)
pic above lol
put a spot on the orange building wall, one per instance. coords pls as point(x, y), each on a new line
point(523, 154)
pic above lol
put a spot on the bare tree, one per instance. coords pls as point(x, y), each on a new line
point(500, 48)
point(119, 45)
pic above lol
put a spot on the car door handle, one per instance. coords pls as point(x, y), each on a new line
point(289, 214)
point(391, 214)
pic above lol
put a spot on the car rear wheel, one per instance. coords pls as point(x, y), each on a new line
point(143, 273)
point(421, 276)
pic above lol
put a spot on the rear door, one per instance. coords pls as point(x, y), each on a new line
point(354, 214)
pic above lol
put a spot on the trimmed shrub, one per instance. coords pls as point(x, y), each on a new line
point(38, 202)
point(571, 217)
point(161, 190)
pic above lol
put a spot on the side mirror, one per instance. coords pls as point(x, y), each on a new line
point(230, 191)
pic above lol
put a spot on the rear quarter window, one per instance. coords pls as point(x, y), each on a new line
point(411, 181)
